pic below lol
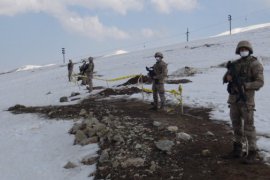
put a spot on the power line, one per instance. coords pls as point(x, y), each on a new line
point(144, 43)
point(230, 20)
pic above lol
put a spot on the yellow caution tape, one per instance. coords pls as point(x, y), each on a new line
point(180, 89)
point(78, 75)
point(174, 92)
point(147, 90)
point(118, 79)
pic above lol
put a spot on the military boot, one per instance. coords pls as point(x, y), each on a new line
point(155, 105)
point(236, 152)
point(162, 106)
point(154, 108)
point(251, 158)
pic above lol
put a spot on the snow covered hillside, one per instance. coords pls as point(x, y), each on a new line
point(37, 148)
point(245, 29)
point(33, 147)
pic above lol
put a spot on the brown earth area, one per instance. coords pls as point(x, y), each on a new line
point(186, 159)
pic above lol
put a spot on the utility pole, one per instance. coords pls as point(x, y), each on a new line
point(187, 33)
point(63, 52)
point(230, 20)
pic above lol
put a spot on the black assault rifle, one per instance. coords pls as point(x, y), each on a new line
point(236, 86)
point(151, 73)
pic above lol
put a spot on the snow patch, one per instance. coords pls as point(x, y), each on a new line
point(31, 67)
point(118, 52)
point(245, 29)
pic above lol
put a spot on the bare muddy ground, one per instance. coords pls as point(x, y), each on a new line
point(197, 159)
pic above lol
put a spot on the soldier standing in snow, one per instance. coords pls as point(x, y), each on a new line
point(245, 76)
point(89, 73)
point(160, 72)
point(70, 69)
point(82, 69)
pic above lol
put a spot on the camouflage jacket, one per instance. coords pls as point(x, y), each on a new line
point(250, 70)
point(161, 71)
point(70, 66)
point(90, 69)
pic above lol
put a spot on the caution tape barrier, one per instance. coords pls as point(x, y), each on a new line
point(176, 93)
point(118, 79)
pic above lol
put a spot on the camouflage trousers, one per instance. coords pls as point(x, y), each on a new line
point(242, 117)
point(69, 75)
point(158, 89)
point(90, 82)
point(84, 79)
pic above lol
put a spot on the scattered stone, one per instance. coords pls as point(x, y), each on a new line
point(104, 157)
point(164, 145)
point(89, 160)
point(89, 131)
point(172, 128)
point(115, 164)
point(120, 127)
point(133, 162)
point(108, 176)
point(79, 137)
point(138, 146)
point(83, 112)
point(48, 93)
point(209, 133)
point(70, 165)
point(74, 94)
point(206, 153)
point(99, 127)
point(118, 138)
point(103, 169)
point(106, 120)
point(220, 162)
point(153, 166)
point(74, 129)
point(64, 99)
point(89, 141)
point(183, 136)
point(156, 123)
point(51, 113)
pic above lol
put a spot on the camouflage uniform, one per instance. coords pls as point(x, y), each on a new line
point(70, 69)
point(82, 72)
point(160, 71)
point(89, 73)
point(249, 70)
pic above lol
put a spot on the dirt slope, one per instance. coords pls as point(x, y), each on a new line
point(136, 156)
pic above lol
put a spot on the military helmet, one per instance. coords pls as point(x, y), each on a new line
point(90, 58)
point(244, 44)
point(159, 54)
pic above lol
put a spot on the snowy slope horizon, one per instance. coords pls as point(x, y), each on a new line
point(239, 31)
point(244, 29)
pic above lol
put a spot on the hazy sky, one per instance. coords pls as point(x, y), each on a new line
point(34, 31)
